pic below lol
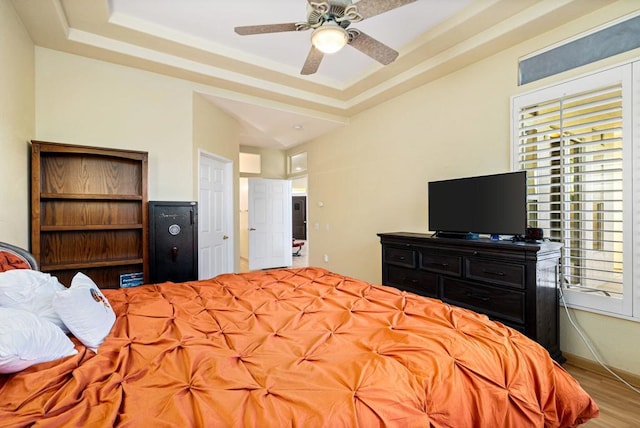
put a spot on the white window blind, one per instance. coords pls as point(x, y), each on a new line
point(571, 142)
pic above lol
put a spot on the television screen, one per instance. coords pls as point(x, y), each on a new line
point(490, 204)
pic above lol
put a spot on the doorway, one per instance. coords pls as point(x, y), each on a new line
point(299, 218)
point(299, 188)
point(299, 202)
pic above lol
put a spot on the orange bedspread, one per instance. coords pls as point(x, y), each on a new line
point(301, 348)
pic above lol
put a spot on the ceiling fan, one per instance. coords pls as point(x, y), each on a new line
point(330, 22)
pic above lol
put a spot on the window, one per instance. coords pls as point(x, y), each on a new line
point(575, 140)
point(250, 163)
point(298, 163)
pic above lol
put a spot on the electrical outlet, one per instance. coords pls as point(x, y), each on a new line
point(326, 258)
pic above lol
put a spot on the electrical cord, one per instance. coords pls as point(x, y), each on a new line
point(593, 352)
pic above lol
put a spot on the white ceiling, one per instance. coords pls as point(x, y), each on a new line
point(257, 78)
point(214, 22)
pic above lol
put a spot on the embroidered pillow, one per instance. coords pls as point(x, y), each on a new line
point(85, 311)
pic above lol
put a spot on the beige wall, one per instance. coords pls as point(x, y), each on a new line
point(273, 162)
point(89, 102)
point(372, 175)
point(17, 125)
point(95, 103)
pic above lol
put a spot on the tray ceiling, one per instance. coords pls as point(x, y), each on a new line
point(257, 78)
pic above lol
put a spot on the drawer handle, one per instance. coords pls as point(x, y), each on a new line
point(401, 257)
point(490, 272)
point(444, 265)
point(475, 296)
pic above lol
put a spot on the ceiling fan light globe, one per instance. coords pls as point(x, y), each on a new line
point(329, 37)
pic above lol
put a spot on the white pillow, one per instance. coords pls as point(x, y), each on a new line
point(85, 311)
point(32, 291)
point(26, 339)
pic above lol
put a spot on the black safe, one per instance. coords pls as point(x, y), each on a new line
point(173, 241)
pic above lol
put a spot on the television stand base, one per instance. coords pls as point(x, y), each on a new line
point(457, 235)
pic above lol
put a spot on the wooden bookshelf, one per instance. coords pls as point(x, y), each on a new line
point(89, 211)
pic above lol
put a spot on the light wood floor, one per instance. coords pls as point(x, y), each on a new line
point(619, 405)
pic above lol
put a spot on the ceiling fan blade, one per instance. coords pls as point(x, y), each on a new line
point(373, 48)
point(312, 62)
point(268, 28)
point(369, 8)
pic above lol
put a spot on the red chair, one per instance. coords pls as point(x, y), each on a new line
point(297, 246)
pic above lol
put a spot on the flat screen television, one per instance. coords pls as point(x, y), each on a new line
point(490, 204)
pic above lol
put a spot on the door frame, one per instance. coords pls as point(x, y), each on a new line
point(228, 201)
point(303, 198)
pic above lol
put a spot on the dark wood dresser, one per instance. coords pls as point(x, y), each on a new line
point(511, 282)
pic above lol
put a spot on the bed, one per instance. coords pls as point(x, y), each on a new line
point(294, 347)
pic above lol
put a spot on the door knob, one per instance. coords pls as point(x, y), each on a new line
point(225, 237)
point(252, 228)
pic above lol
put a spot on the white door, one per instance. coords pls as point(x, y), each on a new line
point(269, 223)
point(215, 216)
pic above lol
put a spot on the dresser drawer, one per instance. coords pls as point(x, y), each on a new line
point(422, 283)
point(496, 302)
point(441, 263)
point(400, 256)
point(495, 272)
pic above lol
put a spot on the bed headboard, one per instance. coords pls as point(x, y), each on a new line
point(12, 257)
